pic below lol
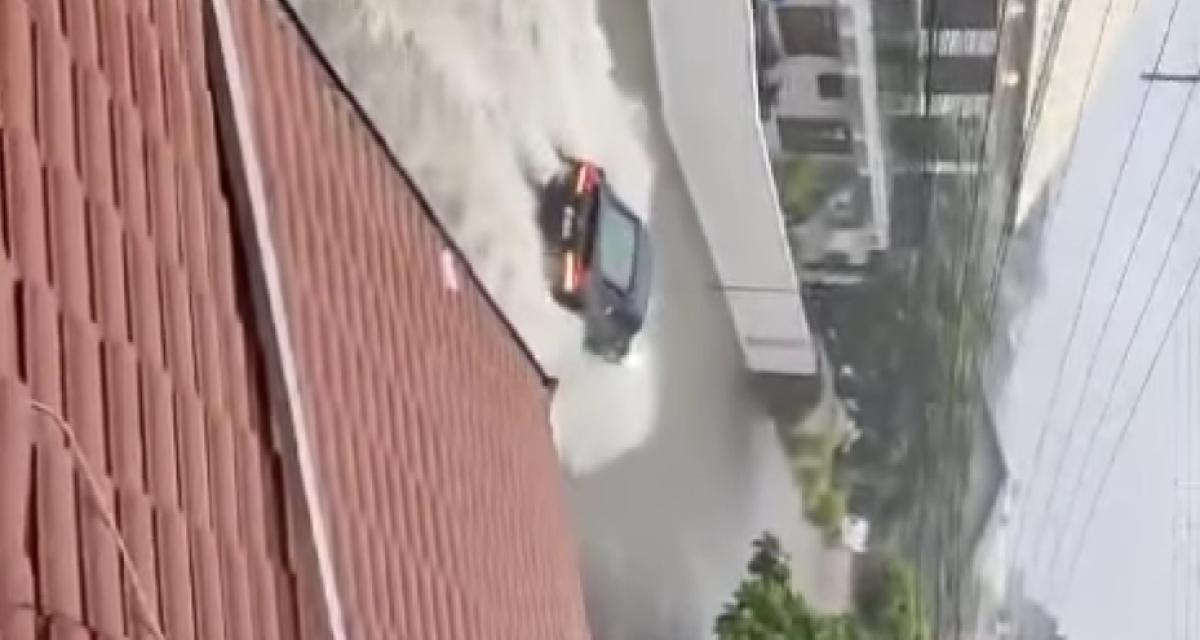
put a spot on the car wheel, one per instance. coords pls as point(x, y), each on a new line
point(595, 346)
point(615, 354)
point(623, 350)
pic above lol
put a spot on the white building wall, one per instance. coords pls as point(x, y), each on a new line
point(798, 94)
point(704, 53)
point(800, 97)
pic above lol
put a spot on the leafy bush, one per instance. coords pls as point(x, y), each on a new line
point(799, 185)
point(826, 510)
point(889, 601)
point(766, 607)
point(813, 480)
point(814, 457)
point(815, 445)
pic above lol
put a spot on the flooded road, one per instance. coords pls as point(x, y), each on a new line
point(672, 465)
point(477, 98)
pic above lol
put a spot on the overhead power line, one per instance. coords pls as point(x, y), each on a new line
point(1109, 395)
point(1015, 184)
point(1122, 434)
point(943, 526)
point(1178, 615)
point(1192, 589)
point(950, 408)
point(1077, 313)
point(924, 516)
point(1126, 265)
point(1185, 396)
point(1183, 78)
point(1045, 75)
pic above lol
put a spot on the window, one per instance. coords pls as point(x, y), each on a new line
point(831, 86)
point(981, 14)
point(809, 31)
point(960, 42)
point(815, 135)
point(616, 250)
point(838, 259)
point(962, 74)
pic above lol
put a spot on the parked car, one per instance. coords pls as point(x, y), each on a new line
point(602, 258)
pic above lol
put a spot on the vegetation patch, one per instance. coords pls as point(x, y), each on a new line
point(767, 607)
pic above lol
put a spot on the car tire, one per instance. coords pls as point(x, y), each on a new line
point(619, 351)
point(610, 353)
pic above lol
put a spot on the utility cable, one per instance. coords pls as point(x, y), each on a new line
point(1107, 405)
point(1073, 563)
point(93, 482)
point(1026, 148)
point(1043, 429)
point(1178, 614)
point(1086, 288)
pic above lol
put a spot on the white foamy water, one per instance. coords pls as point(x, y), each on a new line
point(477, 100)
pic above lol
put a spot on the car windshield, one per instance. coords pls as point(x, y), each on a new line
point(617, 242)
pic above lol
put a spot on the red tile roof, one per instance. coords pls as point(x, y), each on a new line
point(441, 482)
point(124, 317)
point(128, 315)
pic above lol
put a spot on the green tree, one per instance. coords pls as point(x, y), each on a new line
point(799, 185)
point(889, 602)
point(766, 607)
point(826, 509)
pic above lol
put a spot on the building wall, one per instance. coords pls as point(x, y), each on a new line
point(833, 132)
point(798, 95)
point(965, 74)
point(823, 4)
point(704, 54)
point(963, 14)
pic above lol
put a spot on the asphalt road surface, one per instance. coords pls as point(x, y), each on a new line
point(672, 464)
